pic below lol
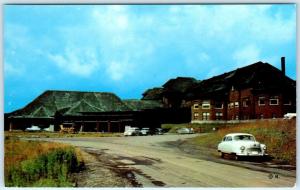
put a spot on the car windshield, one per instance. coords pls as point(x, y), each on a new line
point(244, 138)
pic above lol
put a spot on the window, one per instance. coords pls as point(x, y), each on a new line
point(218, 105)
point(236, 117)
point(205, 105)
point(246, 102)
point(219, 116)
point(196, 106)
point(196, 115)
point(273, 115)
point(231, 105)
point(229, 138)
point(236, 104)
point(261, 116)
point(274, 100)
point(261, 101)
point(205, 116)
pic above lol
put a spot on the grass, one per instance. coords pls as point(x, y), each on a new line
point(58, 135)
point(279, 136)
point(39, 164)
point(207, 127)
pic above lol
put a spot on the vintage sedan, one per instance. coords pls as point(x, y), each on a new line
point(185, 130)
point(133, 131)
point(241, 144)
point(33, 128)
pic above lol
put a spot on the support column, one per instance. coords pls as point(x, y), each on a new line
point(81, 127)
point(119, 125)
point(97, 126)
point(108, 126)
point(10, 126)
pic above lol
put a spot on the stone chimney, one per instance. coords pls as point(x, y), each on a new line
point(283, 65)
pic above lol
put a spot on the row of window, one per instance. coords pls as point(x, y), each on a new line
point(219, 116)
point(206, 105)
point(206, 116)
point(245, 103)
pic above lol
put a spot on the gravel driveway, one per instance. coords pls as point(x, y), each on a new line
point(147, 161)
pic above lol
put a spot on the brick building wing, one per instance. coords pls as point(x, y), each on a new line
point(257, 91)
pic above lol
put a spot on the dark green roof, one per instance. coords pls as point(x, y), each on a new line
point(153, 94)
point(138, 105)
point(71, 103)
point(180, 84)
point(258, 76)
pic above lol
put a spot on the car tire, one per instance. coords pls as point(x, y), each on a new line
point(236, 157)
point(221, 154)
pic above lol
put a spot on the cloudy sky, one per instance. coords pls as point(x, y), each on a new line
point(126, 49)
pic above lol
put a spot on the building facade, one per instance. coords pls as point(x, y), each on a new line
point(258, 91)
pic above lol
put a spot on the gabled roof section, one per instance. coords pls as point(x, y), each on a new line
point(70, 103)
point(138, 105)
point(258, 76)
point(180, 84)
point(153, 94)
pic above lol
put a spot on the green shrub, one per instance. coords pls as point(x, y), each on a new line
point(52, 169)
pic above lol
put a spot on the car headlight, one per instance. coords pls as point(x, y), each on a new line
point(265, 147)
point(242, 148)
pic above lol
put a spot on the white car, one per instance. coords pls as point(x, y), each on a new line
point(33, 128)
point(241, 144)
point(145, 131)
point(133, 131)
point(185, 131)
point(290, 116)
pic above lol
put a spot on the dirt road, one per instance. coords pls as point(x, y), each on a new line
point(148, 163)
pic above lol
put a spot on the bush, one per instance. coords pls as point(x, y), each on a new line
point(51, 169)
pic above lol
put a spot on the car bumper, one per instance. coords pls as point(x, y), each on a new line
point(252, 154)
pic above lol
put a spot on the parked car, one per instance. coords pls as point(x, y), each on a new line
point(290, 116)
point(33, 128)
point(158, 131)
point(145, 131)
point(133, 131)
point(241, 144)
point(49, 129)
point(185, 130)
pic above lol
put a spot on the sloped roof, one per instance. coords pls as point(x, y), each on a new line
point(70, 103)
point(258, 76)
point(153, 94)
point(138, 105)
point(180, 84)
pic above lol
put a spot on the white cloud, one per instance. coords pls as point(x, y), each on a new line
point(13, 70)
point(81, 62)
point(247, 55)
point(124, 36)
point(118, 70)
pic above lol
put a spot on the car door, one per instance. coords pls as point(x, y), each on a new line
point(227, 144)
point(222, 144)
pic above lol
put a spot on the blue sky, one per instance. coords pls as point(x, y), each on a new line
point(126, 49)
